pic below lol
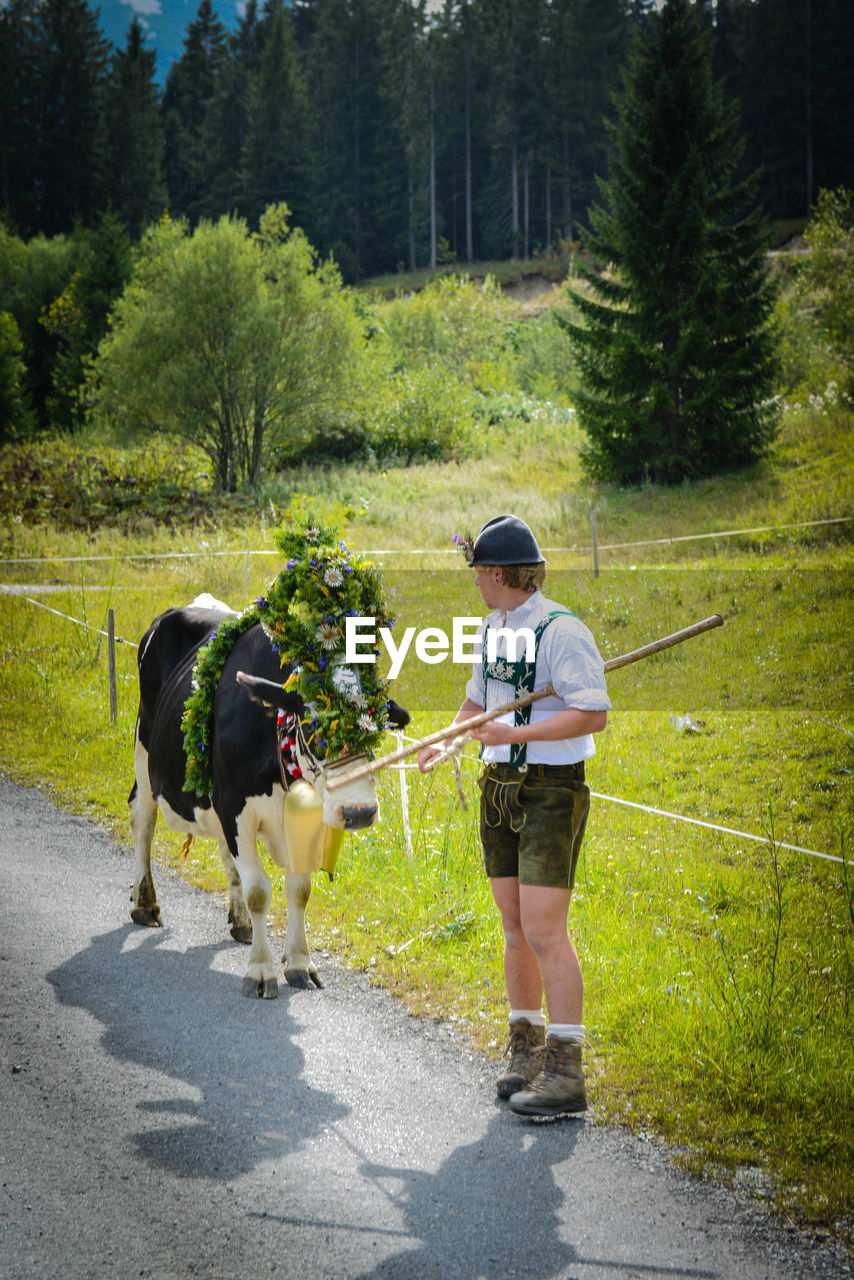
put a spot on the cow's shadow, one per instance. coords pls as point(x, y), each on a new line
point(228, 1085)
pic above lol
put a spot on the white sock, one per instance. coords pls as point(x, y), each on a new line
point(567, 1031)
point(534, 1016)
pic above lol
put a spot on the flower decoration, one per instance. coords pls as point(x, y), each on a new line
point(328, 635)
point(465, 543)
point(303, 613)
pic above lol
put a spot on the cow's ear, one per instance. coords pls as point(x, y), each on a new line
point(270, 694)
point(397, 717)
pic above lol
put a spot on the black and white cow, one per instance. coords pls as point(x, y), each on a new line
point(247, 802)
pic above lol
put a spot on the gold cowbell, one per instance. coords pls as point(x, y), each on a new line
point(312, 845)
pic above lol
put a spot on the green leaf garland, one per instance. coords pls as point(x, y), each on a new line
point(304, 615)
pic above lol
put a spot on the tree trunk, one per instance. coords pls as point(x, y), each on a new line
point(514, 193)
point(432, 168)
point(548, 205)
point(469, 236)
point(527, 210)
point(567, 192)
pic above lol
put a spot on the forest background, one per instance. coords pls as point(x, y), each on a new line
point(398, 135)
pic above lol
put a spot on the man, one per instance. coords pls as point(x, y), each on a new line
point(534, 805)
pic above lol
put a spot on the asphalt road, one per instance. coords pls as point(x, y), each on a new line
point(154, 1122)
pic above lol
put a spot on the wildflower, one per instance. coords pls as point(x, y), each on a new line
point(366, 723)
point(333, 576)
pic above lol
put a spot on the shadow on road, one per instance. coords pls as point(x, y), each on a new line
point(494, 1209)
point(228, 1090)
point(497, 1189)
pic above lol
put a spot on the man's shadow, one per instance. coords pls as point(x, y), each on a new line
point(492, 1209)
point(230, 1067)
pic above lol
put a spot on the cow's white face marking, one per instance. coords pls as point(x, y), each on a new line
point(352, 806)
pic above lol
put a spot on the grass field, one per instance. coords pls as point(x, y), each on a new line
point(719, 969)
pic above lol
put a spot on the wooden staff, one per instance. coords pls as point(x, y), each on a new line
point(464, 726)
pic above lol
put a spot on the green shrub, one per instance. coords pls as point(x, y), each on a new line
point(451, 322)
point(422, 414)
point(75, 487)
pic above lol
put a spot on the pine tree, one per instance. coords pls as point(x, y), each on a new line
point(70, 59)
point(226, 121)
point(17, 116)
point(191, 86)
point(274, 159)
point(675, 351)
point(136, 183)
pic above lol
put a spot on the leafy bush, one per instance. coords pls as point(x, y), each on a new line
point(451, 322)
point(827, 276)
point(542, 364)
point(807, 363)
point(80, 488)
point(422, 414)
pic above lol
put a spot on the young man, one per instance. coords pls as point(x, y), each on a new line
point(534, 805)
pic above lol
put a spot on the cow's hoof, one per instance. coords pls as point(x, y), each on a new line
point(302, 979)
point(147, 916)
point(241, 932)
point(261, 988)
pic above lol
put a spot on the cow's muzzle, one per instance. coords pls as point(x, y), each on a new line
point(358, 816)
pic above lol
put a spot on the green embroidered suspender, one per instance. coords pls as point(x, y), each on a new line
point(522, 675)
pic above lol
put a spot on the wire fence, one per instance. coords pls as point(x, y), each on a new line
point(632, 804)
point(592, 547)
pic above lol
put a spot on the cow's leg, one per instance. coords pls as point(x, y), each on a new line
point(145, 908)
point(260, 977)
point(299, 968)
point(238, 917)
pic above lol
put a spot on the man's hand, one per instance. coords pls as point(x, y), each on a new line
point(426, 755)
point(494, 733)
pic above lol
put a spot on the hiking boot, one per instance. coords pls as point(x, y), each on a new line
point(525, 1049)
point(559, 1088)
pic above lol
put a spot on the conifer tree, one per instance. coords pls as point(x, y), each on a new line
point(274, 159)
point(675, 351)
point(191, 86)
point(17, 91)
point(70, 60)
point(225, 128)
point(135, 135)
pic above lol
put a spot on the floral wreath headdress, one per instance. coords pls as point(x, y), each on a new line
point(304, 615)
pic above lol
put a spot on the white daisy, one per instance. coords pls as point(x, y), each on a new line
point(357, 698)
point(327, 634)
point(333, 576)
point(366, 723)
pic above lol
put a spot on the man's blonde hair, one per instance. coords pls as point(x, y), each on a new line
point(523, 577)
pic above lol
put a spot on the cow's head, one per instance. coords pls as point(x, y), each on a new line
point(350, 806)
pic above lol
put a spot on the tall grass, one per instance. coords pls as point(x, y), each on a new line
point(719, 970)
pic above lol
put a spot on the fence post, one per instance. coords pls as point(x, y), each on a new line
point(111, 653)
point(595, 544)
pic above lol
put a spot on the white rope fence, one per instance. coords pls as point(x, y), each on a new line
point(404, 789)
point(665, 813)
point(435, 551)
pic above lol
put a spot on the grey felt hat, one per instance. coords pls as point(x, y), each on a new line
point(505, 540)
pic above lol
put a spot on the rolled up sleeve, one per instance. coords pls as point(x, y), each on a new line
point(575, 664)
